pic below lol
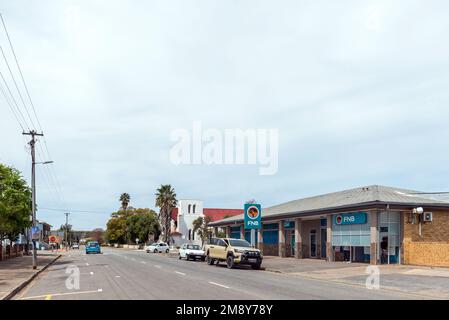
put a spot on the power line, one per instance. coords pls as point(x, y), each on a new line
point(20, 71)
point(51, 171)
point(17, 87)
point(8, 102)
point(75, 211)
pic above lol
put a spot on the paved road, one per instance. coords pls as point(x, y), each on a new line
point(136, 275)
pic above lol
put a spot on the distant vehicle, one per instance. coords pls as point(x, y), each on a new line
point(233, 252)
point(42, 246)
point(191, 251)
point(157, 247)
point(75, 246)
point(93, 247)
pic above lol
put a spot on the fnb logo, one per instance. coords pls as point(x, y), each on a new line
point(252, 223)
point(345, 219)
point(253, 213)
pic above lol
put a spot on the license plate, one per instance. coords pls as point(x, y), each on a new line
point(252, 260)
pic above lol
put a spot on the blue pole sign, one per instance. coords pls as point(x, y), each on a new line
point(350, 218)
point(253, 216)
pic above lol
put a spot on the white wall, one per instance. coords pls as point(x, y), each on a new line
point(185, 219)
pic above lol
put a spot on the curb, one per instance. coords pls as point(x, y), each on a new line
point(25, 283)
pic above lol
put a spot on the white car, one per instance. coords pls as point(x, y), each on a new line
point(191, 251)
point(157, 247)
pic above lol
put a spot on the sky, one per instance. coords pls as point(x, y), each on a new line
point(358, 91)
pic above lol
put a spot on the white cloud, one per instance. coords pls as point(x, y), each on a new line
point(358, 91)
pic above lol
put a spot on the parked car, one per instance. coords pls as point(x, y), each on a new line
point(75, 246)
point(158, 247)
point(191, 251)
point(93, 247)
point(233, 252)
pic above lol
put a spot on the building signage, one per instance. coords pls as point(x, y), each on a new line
point(350, 218)
point(253, 216)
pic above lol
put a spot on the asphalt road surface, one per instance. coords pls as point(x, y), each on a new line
point(136, 275)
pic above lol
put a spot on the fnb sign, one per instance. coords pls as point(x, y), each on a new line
point(350, 218)
point(252, 216)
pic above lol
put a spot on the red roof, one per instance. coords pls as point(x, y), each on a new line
point(213, 213)
point(218, 214)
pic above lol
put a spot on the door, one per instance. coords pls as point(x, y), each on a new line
point(313, 245)
point(323, 243)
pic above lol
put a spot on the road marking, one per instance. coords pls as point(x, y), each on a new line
point(62, 294)
point(143, 262)
point(87, 264)
point(182, 274)
point(48, 297)
point(217, 284)
point(157, 266)
point(133, 259)
point(91, 273)
point(117, 276)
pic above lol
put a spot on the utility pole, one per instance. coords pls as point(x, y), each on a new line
point(66, 231)
point(33, 135)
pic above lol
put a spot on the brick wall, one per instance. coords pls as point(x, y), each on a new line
point(432, 248)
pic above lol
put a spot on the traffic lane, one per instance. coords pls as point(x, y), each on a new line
point(108, 276)
point(255, 283)
point(53, 280)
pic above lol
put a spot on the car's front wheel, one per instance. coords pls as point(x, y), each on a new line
point(210, 261)
point(155, 251)
point(179, 257)
point(256, 266)
point(230, 262)
point(167, 251)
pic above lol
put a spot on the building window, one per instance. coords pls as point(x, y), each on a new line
point(194, 206)
point(190, 234)
point(188, 210)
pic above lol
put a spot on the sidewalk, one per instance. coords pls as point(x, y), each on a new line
point(17, 272)
point(418, 280)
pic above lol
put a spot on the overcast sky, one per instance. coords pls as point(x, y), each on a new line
point(357, 89)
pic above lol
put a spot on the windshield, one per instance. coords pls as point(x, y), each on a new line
point(93, 244)
point(193, 247)
point(153, 244)
point(239, 243)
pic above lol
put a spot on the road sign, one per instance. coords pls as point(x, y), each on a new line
point(52, 239)
point(35, 233)
point(253, 216)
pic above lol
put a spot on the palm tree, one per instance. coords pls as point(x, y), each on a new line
point(166, 201)
point(125, 199)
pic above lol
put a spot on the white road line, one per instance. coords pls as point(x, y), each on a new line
point(157, 266)
point(117, 276)
point(217, 284)
point(143, 262)
point(87, 264)
point(91, 273)
point(62, 294)
point(182, 274)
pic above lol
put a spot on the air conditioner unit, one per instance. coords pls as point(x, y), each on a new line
point(427, 216)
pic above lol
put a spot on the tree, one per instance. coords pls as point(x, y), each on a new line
point(201, 226)
point(166, 201)
point(125, 198)
point(126, 226)
point(141, 225)
point(67, 229)
point(97, 235)
point(15, 203)
point(116, 230)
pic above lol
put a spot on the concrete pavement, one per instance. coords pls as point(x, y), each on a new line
point(17, 272)
point(136, 275)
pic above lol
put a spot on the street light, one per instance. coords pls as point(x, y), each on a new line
point(33, 187)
